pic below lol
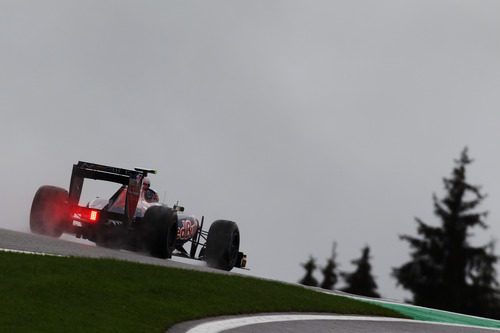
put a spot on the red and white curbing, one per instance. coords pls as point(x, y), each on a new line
point(227, 324)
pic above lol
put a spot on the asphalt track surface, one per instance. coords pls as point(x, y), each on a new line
point(68, 246)
point(71, 246)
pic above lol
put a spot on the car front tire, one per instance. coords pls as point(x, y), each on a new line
point(223, 243)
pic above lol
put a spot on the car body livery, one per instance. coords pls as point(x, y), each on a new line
point(133, 218)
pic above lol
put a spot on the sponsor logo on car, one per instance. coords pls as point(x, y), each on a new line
point(188, 228)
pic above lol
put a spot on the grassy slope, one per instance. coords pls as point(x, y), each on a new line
point(52, 294)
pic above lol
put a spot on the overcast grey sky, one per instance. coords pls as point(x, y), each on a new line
point(307, 122)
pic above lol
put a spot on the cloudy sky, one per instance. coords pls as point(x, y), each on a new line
point(307, 122)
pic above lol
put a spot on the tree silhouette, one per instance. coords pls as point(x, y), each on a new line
point(361, 281)
point(310, 267)
point(330, 271)
point(445, 271)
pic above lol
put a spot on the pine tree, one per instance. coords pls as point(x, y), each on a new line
point(329, 271)
point(310, 267)
point(445, 271)
point(361, 281)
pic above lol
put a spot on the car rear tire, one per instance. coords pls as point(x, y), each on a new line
point(223, 244)
point(49, 211)
point(160, 231)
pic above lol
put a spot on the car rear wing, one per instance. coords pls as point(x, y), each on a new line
point(131, 178)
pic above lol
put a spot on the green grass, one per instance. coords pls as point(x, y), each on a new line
point(53, 294)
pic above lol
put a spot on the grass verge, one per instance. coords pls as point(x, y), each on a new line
point(53, 294)
point(439, 316)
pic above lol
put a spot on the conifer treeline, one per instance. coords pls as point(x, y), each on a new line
point(358, 282)
point(444, 270)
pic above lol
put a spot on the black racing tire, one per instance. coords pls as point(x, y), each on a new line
point(159, 226)
point(223, 244)
point(49, 214)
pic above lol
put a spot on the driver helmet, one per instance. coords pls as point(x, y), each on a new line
point(146, 183)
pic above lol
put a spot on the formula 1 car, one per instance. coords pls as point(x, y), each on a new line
point(132, 219)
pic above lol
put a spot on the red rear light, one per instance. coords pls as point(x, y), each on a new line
point(93, 215)
point(86, 214)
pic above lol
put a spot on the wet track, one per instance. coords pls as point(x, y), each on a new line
point(19, 241)
point(70, 246)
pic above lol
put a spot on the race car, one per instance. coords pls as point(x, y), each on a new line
point(133, 219)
